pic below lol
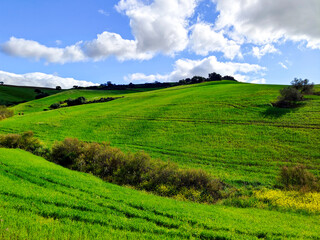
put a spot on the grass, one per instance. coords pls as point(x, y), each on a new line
point(41, 200)
point(229, 129)
point(11, 94)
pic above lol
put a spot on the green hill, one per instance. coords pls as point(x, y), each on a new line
point(229, 129)
point(40, 200)
point(12, 94)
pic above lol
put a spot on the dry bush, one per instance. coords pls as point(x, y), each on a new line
point(5, 112)
point(298, 178)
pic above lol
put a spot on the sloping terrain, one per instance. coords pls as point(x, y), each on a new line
point(229, 129)
point(41, 200)
point(12, 95)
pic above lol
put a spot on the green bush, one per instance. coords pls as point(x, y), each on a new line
point(298, 178)
point(138, 170)
point(55, 106)
point(77, 101)
point(25, 141)
point(303, 85)
point(5, 112)
point(288, 97)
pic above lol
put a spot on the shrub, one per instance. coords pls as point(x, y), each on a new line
point(298, 178)
point(5, 112)
point(77, 101)
point(25, 141)
point(288, 97)
point(138, 170)
point(42, 95)
point(65, 153)
point(303, 85)
point(55, 106)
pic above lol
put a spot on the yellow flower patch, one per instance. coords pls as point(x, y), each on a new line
point(291, 199)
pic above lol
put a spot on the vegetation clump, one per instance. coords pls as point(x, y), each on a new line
point(40, 94)
point(55, 106)
point(25, 141)
point(303, 85)
point(137, 170)
point(5, 112)
point(79, 101)
point(298, 178)
point(290, 96)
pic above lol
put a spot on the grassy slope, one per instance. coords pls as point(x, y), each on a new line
point(10, 94)
point(41, 200)
point(227, 128)
point(44, 103)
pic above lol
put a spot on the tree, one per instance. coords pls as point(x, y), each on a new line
point(58, 88)
point(198, 79)
point(227, 77)
point(303, 85)
point(214, 77)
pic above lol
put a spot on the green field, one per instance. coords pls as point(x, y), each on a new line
point(10, 94)
point(227, 128)
point(41, 200)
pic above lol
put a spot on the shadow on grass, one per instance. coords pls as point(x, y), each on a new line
point(277, 112)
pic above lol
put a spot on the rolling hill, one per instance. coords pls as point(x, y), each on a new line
point(41, 200)
point(227, 128)
point(14, 94)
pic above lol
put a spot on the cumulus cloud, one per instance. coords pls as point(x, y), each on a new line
point(108, 44)
point(41, 80)
point(142, 78)
point(161, 26)
point(258, 52)
point(205, 39)
point(32, 49)
point(265, 21)
point(186, 68)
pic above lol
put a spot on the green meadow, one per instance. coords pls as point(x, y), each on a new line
point(228, 129)
point(41, 200)
point(12, 94)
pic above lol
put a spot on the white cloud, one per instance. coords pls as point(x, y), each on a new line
point(264, 21)
point(41, 80)
point(258, 52)
point(32, 49)
point(186, 68)
point(205, 39)
point(283, 65)
point(142, 78)
point(108, 44)
point(259, 81)
point(103, 12)
point(161, 26)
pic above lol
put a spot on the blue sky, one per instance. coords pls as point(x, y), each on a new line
point(55, 42)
